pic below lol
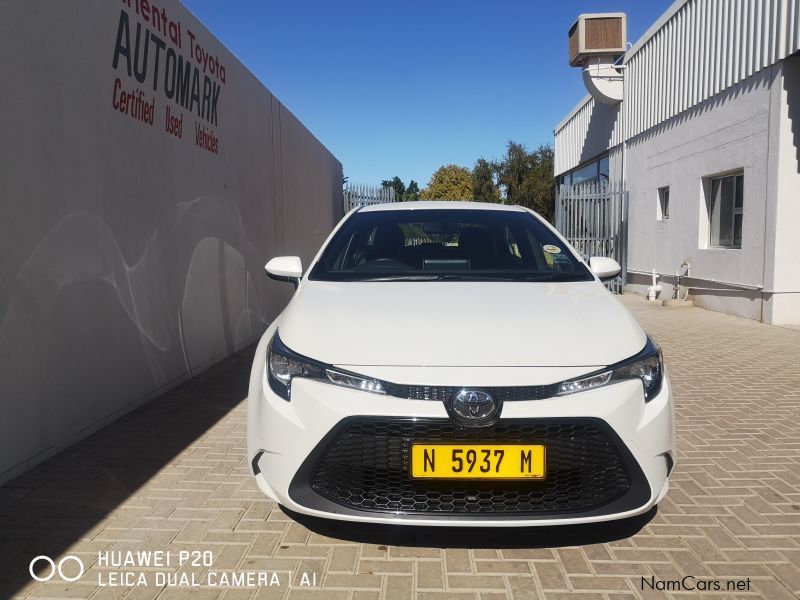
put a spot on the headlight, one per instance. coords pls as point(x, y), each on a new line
point(355, 381)
point(646, 366)
point(284, 365)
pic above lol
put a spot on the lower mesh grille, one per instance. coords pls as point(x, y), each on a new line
point(365, 466)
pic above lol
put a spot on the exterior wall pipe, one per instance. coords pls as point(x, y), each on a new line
point(655, 287)
point(744, 286)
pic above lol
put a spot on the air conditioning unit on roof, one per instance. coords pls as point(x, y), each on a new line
point(596, 41)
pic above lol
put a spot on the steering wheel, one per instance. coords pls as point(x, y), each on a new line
point(386, 262)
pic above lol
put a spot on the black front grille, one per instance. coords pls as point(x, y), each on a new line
point(363, 465)
point(445, 392)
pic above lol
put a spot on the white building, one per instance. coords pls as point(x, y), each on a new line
point(706, 140)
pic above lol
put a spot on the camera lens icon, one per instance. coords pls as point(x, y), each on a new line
point(57, 568)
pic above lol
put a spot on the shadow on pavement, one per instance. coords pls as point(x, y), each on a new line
point(69, 497)
point(474, 537)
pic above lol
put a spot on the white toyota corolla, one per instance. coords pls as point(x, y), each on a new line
point(455, 363)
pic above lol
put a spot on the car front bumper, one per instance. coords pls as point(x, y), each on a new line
point(286, 439)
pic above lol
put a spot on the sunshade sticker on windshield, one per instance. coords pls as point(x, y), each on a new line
point(551, 249)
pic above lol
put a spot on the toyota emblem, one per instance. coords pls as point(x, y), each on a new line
point(473, 407)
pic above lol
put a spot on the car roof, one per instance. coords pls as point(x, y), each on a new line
point(439, 204)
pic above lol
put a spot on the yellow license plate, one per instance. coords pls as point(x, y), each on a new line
point(477, 461)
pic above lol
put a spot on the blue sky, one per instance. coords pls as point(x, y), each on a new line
point(401, 88)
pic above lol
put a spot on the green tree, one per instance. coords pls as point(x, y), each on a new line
point(398, 185)
point(450, 182)
point(527, 178)
point(412, 192)
point(484, 187)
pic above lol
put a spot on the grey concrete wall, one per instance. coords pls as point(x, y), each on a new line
point(730, 132)
point(782, 299)
point(131, 259)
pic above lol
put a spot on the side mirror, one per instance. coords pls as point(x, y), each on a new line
point(604, 267)
point(285, 268)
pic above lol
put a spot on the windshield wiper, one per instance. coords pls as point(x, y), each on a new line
point(451, 277)
point(480, 277)
point(567, 277)
point(402, 278)
point(476, 277)
point(529, 277)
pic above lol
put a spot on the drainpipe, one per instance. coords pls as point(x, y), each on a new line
point(620, 66)
point(623, 133)
point(655, 288)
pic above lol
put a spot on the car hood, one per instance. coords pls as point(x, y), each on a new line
point(459, 323)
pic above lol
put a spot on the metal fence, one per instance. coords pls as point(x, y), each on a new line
point(593, 217)
point(363, 195)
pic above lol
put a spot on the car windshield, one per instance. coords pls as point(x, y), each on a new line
point(443, 244)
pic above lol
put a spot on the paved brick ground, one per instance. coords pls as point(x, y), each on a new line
point(172, 476)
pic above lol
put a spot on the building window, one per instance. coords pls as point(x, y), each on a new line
point(585, 174)
point(602, 167)
point(725, 211)
point(589, 173)
point(663, 203)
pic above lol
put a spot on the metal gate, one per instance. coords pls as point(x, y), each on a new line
point(593, 217)
point(365, 195)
